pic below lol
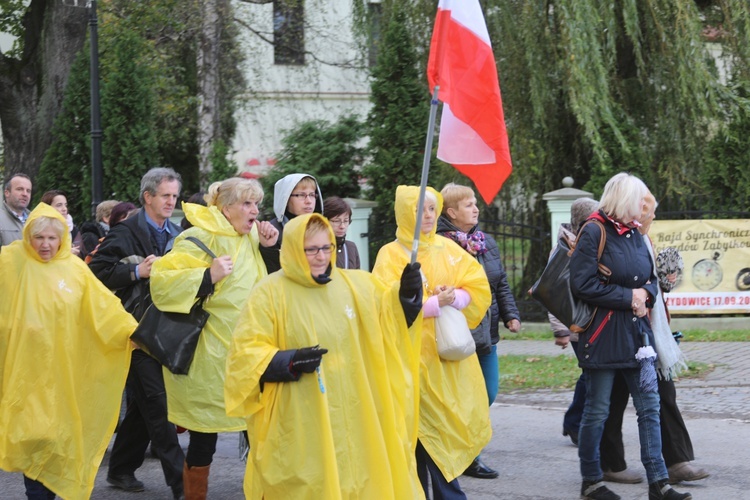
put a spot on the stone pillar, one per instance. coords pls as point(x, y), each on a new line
point(357, 232)
point(559, 202)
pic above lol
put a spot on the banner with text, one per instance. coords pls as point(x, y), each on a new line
point(716, 256)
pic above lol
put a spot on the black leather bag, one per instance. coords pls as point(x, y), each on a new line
point(171, 338)
point(552, 289)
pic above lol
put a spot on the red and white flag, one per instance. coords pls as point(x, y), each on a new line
point(472, 129)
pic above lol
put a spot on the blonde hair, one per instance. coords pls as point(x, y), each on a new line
point(38, 225)
point(234, 190)
point(454, 193)
point(316, 225)
point(623, 197)
point(104, 209)
point(307, 182)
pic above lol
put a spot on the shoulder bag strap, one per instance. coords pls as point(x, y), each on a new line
point(203, 247)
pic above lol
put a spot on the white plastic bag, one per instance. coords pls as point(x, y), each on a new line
point(454, 340)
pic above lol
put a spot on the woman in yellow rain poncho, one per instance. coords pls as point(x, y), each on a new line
point(64, 357)
point(229, 227)
point(321, 362)
point(454, 420)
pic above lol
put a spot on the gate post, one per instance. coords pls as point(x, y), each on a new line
point(359, 228)
point(559, 202)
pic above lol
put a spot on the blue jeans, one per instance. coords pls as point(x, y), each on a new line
point(572, 418)
point(489, 365)
point(595, 412)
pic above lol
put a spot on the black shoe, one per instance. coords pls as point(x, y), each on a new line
point(479, 470)
point(596, 490)
point(126, 482)
point(177, 492)
point(573, 435)
point(661, 490)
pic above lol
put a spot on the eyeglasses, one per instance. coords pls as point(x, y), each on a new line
point(304, 196)
point(326, 249)
point(341, 222)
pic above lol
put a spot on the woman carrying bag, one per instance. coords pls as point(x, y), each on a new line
point(229, 227)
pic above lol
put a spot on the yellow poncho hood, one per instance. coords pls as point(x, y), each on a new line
point(454, 420)
point(195, 400)
point(342, 432)
point(64, 357)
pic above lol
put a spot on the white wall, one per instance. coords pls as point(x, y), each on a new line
point(333, 82)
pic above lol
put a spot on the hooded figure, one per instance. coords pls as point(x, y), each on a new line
point(340, 431)
point(293, 195)
point(454, 423)
point(64, 357)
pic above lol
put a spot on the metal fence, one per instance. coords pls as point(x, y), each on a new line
point(524, 247)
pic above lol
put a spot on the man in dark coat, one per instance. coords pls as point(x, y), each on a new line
point(123, 263)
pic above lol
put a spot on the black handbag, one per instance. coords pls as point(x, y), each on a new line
point(171, 338)
point(552, 289)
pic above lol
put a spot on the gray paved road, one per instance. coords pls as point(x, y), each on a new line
point(535, 461)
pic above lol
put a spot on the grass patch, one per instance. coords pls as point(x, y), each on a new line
point(529, 373)
point(697, 335)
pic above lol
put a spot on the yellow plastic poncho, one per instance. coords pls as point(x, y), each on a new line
point(196, 400)
point(454, 422)
point(350, 441)
point(64, 358)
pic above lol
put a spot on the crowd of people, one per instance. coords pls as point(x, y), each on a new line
point(331, 372)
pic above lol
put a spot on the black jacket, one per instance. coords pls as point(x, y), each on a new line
point(126, 245)
point(91, 233)
point(614, 336)
point(503, 303)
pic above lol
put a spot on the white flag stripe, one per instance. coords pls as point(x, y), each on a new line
point(459, 143)
point(469, 15)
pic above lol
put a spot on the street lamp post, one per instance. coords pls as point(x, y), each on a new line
point(96, 116)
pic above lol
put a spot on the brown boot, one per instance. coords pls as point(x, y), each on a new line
point(195, 482)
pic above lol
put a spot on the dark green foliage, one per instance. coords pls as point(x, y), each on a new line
point(130, 147)
point(398, 117)
point(223, 166)
point(329, 152)
point(726, 172)
point(67, 163)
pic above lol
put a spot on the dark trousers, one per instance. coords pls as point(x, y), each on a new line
point(676, 446)
point(36, 490)
point(428, 469)
point(146, 420)
point(201, 448)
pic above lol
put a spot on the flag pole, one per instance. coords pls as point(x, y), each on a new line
point(425, 172)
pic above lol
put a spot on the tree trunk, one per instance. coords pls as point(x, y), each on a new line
point(208, 84)
point(32, 87)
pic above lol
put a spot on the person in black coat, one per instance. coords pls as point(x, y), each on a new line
point(620, 327)
point(123, 263)
point(459, 222)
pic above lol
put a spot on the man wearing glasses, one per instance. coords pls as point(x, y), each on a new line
point(293, 195)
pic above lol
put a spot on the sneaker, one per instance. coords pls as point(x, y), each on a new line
point(596, 490)
point(683, 471)
point(126, 482)
point(626, 476)
point(661, 490)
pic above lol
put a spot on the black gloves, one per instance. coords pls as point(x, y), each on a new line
point(410, 293)
point(411, 280)
point(307, 359)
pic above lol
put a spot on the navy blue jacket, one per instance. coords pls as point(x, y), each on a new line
point(614, 336)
